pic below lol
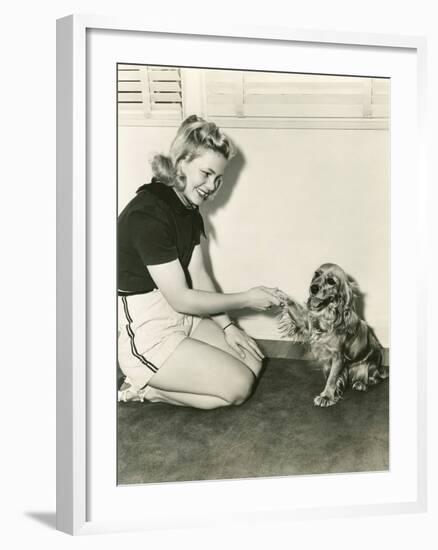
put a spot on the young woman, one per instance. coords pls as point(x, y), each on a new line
point(176, 342)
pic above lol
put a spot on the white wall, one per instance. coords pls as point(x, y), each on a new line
point(292, 200)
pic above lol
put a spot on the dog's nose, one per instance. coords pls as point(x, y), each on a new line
point(314, 289)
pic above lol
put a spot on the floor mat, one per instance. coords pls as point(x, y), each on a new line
point(277, 432)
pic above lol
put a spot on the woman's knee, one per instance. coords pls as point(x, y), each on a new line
point(240, 387)
point(253, 363)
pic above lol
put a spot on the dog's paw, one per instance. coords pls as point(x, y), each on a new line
point(286, 325)
point(324, 401)
point(359, 386)
point(340, 388)
point(339, 394)
point(284, 298)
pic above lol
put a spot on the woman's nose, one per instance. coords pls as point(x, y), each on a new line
point(209, 184)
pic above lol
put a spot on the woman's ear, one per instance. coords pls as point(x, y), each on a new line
point(180, 175)
point(180, 168)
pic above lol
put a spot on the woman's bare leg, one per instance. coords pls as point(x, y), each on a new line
point(200, 375)
point(209, 332)
point(185, 399)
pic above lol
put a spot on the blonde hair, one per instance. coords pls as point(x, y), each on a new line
point(194, 136)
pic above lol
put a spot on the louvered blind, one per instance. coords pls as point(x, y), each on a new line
point(257, 94)
point(149, 93)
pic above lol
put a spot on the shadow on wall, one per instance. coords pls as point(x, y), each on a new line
point(359, 300)
point(208, 210)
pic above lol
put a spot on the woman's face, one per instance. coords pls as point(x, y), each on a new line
point(204, 176)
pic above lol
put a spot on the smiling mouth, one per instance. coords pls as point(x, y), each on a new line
point(319, 303)
point(202, 193)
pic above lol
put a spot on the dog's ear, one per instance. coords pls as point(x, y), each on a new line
point(349, 292)
point(355, 348)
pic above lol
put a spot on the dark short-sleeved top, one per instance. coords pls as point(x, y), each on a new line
point(154, 228)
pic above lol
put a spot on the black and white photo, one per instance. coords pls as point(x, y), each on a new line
point(233, 187)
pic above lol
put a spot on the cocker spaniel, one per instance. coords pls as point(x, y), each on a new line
point(344, 345)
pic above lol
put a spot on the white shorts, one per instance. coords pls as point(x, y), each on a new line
point(149, 332)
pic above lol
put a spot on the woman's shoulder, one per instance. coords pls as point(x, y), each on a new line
point(148, 199)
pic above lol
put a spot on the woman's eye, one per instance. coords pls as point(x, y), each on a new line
point(331, 281)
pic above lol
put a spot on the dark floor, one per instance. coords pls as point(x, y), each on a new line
point(277, 432)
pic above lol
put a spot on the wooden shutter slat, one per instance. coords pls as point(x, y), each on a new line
point(297, 79)
point(168, 86)
point(134, 86)
point(127, 67)
point(163, 75)
point(129, 97)
point(163, 96)
point(302, 87)
point(131, 108)
point(309, 99)
point(309, 111)
point(132, 80)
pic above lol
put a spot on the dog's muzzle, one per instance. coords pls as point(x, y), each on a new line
point(317, 304)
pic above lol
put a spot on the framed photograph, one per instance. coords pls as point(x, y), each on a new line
point(240, 215)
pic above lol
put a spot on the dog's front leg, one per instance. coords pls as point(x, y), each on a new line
point(331, 393)
point(293, 320)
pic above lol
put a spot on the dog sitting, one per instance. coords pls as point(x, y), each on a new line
point(345, 346)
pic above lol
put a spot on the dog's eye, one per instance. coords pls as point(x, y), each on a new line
point(331, 281)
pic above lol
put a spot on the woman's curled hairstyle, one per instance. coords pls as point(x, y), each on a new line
point(194, 136)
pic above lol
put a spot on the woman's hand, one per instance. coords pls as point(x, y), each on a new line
point(262, 298)
point(241, 342)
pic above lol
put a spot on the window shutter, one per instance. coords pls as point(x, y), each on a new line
point(380, 97)
point(160, 96)
point(147, 93)
point(260, 95)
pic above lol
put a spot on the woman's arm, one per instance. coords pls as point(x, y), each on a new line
point(171, 281)
point(235, 337)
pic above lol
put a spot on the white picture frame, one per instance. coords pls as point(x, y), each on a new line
point(76, 209)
